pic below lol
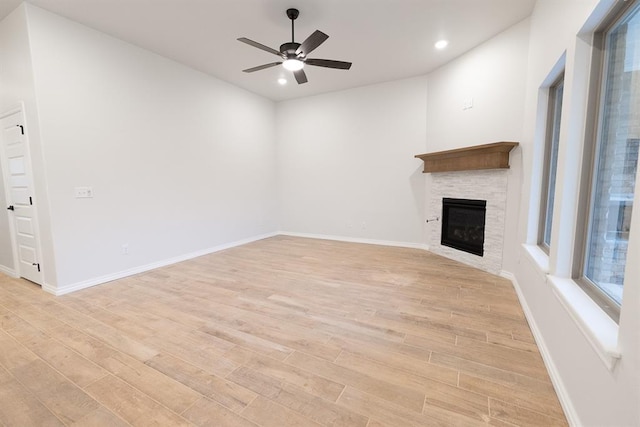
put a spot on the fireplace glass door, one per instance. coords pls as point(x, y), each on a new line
point(463, 224)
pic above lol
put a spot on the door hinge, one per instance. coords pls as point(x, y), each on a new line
point(37, 265)
point(30, 201)
point(21, 129)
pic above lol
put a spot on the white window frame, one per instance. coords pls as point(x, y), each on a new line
point(590, 162)
point(550, 165)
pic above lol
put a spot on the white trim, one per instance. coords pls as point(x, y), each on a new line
point(8, 271)
point(13, 110)
point(563, 395)
point(540, 148)
point(52, 289)
point(20, 109)
point(599, 13)
point(7, 193)
point(393, 243)
point(141, 269)
point(599, 329)
point(538, 256)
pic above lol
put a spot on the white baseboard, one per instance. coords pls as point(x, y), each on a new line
point(8, 271)
point(50, 289)
point(558, 385)
point(141, 269)
point(357, 240)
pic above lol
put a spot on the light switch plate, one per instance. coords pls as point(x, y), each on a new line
point(83, 192)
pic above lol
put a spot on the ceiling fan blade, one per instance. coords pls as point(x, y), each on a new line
point(261, 67)
point(341, 65)
point(300, 76)
point(259, 45)
point(312, 42)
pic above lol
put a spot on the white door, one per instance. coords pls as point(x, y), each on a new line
point(16, 166)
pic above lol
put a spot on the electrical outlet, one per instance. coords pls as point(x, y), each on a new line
point(83, 192)
point(125, 249)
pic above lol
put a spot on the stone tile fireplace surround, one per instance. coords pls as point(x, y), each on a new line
point(489, 185)
point(475, 173)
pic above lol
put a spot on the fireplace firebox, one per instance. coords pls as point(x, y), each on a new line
point(463, 224)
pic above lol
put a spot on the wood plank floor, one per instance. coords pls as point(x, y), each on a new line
point(281, 332)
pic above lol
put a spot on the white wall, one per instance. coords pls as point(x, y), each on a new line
point(592, 394)
point(346, 165)
point(493, 75)
point(16, 87)
point(179, 162)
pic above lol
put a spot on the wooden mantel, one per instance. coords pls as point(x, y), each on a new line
point(487, 156)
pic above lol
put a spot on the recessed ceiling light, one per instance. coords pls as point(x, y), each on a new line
point(441, 44)
point(282, 81)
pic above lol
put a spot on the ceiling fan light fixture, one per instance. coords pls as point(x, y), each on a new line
point(282, 81)
point(295, 55)
point(293, 64)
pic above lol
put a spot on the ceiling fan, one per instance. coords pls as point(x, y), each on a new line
point(294, 54)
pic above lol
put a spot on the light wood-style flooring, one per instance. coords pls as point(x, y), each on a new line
point(281, 332)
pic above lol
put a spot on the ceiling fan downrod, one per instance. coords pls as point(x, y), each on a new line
point(295, 55)
point(292, 14)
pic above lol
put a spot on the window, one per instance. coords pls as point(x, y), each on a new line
point(615, 162)
point(550, 163)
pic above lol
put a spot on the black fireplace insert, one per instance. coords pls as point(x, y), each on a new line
point(463, 224)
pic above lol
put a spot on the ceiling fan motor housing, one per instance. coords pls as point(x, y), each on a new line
point(294, 54)
point(289, 49)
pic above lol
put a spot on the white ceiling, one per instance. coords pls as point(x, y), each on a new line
point(385, 39)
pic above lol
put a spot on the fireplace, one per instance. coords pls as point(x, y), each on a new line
point(463, 224)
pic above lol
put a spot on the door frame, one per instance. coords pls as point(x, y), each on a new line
point(19, 109)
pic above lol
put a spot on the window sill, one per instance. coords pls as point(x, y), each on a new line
point(599, 329)
point(538, 256)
